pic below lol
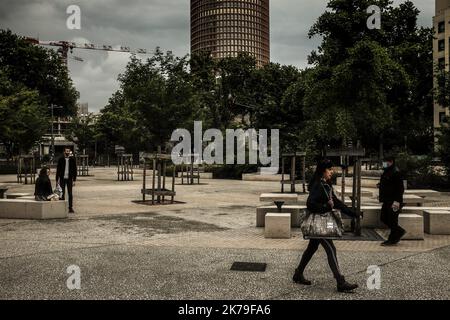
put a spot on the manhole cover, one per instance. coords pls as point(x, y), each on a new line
point(249, 266)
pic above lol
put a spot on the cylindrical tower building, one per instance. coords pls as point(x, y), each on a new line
point(226, 27)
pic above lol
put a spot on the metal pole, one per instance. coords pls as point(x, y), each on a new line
point(53, 138)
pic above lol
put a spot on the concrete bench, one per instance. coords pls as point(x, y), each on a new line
point(421, 210)
point(366, 182)
point(277, 226)
point(422, 192)
point(17, 195)
point(413, 200)
point(349, 192)
point(436, 222)
point(413, 224)
point(371, 217)
point(372, 214)
point(30, 209)
point(295, 211)
point(272, 197)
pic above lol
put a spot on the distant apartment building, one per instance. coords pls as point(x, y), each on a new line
point(441, 50)
point(226, 27)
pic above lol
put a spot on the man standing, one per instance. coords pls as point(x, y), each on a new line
point(66, 175)
point(391, 195)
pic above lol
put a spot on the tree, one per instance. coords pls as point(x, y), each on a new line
point(82, 131)
point(38, 69)
point(118, 124)
point(24, 120)
point(348, 85)
point(155, 98)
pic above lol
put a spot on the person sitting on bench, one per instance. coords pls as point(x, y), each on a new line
point(43, 188)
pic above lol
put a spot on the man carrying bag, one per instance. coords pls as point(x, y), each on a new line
point(66, 175)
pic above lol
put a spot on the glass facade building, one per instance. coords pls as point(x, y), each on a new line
point(226, 27)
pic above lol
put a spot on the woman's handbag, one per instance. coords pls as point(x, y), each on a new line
point(58, 191)
point(326, 225)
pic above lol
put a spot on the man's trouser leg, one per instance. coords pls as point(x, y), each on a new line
point(390, 218)
point(69, 184)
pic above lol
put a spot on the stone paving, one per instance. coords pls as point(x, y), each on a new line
point(127, 250)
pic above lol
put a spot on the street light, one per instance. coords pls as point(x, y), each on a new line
point(52, 155)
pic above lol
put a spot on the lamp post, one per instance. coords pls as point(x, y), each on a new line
point(52, 152)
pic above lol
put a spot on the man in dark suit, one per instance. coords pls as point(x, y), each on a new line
point(66, 175)
point(391, 195)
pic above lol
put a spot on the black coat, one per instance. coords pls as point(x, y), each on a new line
point(318, 200)
point(62, 166)
point(391, 186)
point(43, 187)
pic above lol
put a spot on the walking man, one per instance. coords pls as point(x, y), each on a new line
point(66, 175)
point(391, 195)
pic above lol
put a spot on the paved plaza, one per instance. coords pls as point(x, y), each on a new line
point(129, 250)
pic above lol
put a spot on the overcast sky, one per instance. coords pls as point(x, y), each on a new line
point(148, 24)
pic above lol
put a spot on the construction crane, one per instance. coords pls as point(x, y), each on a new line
point(66, 46)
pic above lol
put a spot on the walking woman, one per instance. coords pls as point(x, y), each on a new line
point(321, 200)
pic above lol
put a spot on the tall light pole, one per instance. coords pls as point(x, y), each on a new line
point(52, 155)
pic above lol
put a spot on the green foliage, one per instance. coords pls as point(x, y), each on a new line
point(368, 82)
point(82, 131)
point(24, 120)
point(421, 172)
point(38, 69)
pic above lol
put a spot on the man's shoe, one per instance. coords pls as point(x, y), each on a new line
point(346, 287)
point(300, 279)
point(400, 236)
point(71, 210)
point(388, 243)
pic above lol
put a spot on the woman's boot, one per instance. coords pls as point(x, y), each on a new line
point(344, 286)
point(300, 279)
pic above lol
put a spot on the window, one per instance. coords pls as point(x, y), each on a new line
point(441, 27)
point(441, 45)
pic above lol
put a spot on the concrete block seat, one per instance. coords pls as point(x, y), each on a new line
point(437, 221)
point(413, 224)
point(17, 195)
point(422, 192)
point(31, 209)
point(413, 200)
point(271, 197)
point(372, 214)
point(277, 226)
point(366, 182)
point(420, 210)
point(349, 192)
point(296, 213)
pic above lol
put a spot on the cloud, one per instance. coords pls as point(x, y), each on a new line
point(148, 24)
